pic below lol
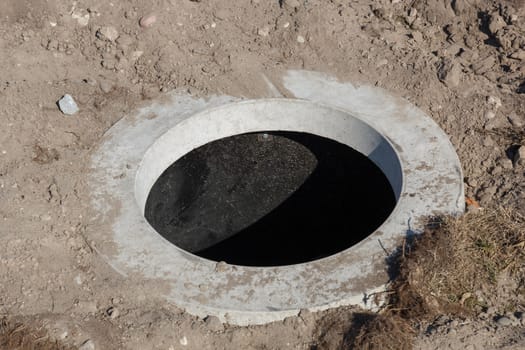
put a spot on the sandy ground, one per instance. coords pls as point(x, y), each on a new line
point(461, 61)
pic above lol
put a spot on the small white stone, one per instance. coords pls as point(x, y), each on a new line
point(78, 280)
point(286, 25)
point(82, 19)
point(300, 39)
point(68, 105)
point(489, 115)
point(264, 31)
point(183, 341)
point(504, 321)
point(291, 3)
point(494, 101)
point(108, 33)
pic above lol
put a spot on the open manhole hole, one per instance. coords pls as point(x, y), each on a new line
point(269, 199)
point(253, 210)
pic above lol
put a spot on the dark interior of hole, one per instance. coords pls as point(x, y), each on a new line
point(269, 199)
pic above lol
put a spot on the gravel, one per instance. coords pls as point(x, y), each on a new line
point(67, 105)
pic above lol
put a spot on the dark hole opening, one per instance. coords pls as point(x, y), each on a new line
point(269, 199)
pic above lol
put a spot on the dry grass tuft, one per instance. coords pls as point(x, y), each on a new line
point(22, 337)
point(456, 258)
point(378, 331)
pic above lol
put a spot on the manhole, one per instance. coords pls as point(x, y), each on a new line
point(269, 199)
point(253, 210)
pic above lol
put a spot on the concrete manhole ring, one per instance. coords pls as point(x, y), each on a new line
point(410, 149)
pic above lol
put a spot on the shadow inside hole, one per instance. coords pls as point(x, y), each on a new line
point(269, 199)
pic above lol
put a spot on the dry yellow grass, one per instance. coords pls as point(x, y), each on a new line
point(19, 336)
point(458, 258)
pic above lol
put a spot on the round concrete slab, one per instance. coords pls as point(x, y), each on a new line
point(414, 154)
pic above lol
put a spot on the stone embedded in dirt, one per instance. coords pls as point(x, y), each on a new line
point(449, 73)
point(148, 20)
point(81, 18)
point(112, 312)
point(67, 105)
point(264, 31)
point(505, 163)
point(489, 115)
point(504, 321)
point(213, 324)
point(519, 156)
point(516, 121)
point(87, 345)
point(494, 101)
point(291, 3)
point(300, 39)
point(518, 55)
point(109, 33)
point(496, 23)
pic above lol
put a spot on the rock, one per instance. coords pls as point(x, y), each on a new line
point(264, 31)
point(494, 101)
point(67, 105)
point(148, 20)
point(505, 163)
point(496, 23)
point(519, 156)
point(87, 345)
point(291, 3)
point(81, 18)
point(109, 33)
point(300, 39)
point(213, 324)
point(489, 115)
point(518, 55)
point(504, 321)
point(449, 73)
point(113, 312)
point(183, 341)
point(516, 121)
point(106, 86)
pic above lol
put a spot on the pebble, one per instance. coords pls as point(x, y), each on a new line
point(519, 156)
point(505, 163)
point(183, 341)
point(112, 312)
point(504, 321)
point(67, 105)
point(264, 31)
point(213, 324)
point(82, 19)
point(449, 73)
point(489, 115)
point(494, 101)
point(300, 39)
point(496, 23)
point(291, 3)
point(148, 20)
point(87, 345)
point(107, 33)
point(516, 121)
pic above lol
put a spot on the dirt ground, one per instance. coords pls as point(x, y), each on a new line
point(461, 61)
